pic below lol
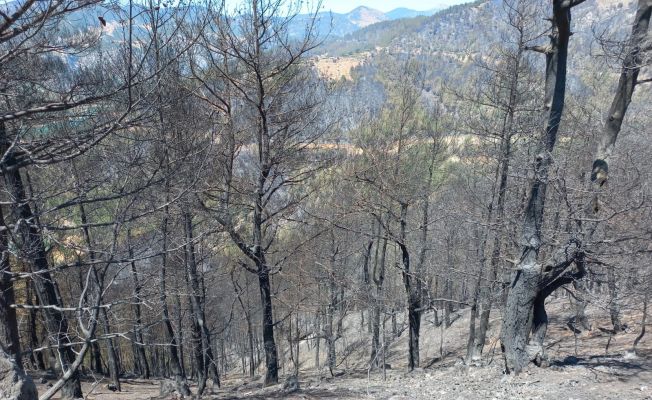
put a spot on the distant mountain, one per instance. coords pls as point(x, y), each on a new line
point(338, 25)
point(364, 16)
point(469, 29)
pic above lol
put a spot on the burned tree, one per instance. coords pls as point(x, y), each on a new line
point(533, 281)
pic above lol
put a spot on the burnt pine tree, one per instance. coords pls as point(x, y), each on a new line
point(255, 77)
point(534, 280)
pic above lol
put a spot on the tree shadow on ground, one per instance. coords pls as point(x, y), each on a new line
point(616, 365)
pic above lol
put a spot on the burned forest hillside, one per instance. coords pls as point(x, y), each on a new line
point(264, 199)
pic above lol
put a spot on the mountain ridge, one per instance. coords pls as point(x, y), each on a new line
point(336, 24)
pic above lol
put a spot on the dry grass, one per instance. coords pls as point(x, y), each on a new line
point(336, 68)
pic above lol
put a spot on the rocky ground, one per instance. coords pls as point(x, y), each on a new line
point(582, 367)
point(610, 377)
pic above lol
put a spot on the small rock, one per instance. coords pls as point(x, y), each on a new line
point(291, 384)
point(14, 383)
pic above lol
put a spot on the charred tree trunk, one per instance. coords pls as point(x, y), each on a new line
point(246, 310)
point(503, 174)
point(627, 83)
point(331, 337)
point(139, 348)
point(179, 329)
point(643, 322)
point(112, 356)
point(36, 357)
point(614, 306)
point(196, 317)
point(32, 249)
point(580, 320)
point(317, 339)
point(205, 360)
point(378, 277)
point(448, 290)
point(412, 291)
point(96, 358)
point(532, 282)
point(175, 363)
point(9, 338)
point(271, 354)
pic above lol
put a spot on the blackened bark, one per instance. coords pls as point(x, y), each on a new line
point(271, 355)
point(471, 349)
point(378, 277)
point(317, 339)
point(179, 330)
point(112, 355)
point(139, 348)
point(96, 358)
point(175, 363)
point(527, 284)
point(614, 305)
point(413, 295)
point(205, 361)
point(628, 79)
point(250, 333)
point(9, 338)
point(196, 317)
point(365, 263)
point(643, 322)
point(331, 337)
point(36, 357)
point(330, 332)
point(448, 290)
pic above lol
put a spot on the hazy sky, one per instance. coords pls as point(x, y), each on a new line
point(342, 6)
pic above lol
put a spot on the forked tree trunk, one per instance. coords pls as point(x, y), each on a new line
point(532, 282)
